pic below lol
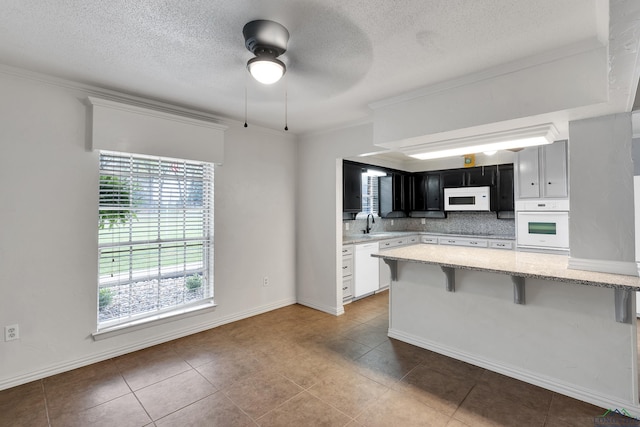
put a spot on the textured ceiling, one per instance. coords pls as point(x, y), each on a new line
point(342, 55)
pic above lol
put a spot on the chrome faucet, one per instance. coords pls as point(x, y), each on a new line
point(373, 221)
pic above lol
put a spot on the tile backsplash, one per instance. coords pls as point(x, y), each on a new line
point(482, 223)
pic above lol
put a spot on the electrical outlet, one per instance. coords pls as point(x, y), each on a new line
point(391, 222)
point(265, 281)
point(11, 332)
point(423, 221)
point(346, 226)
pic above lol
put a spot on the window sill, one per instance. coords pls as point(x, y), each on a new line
point(148, 322)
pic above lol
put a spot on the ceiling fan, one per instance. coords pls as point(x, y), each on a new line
point(311, 71)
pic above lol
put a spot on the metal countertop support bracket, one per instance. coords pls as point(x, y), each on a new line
point(622, 296)
point(450, 274)
point(393, 266)
point(518, 289)
point(623, 305)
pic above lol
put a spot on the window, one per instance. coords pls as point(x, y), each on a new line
point(155, 237)
point(370, 191)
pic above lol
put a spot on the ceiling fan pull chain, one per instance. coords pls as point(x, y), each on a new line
point(245, 102)
point(286, 120)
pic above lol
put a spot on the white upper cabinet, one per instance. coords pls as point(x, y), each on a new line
point(542, 172)
point(554, 170)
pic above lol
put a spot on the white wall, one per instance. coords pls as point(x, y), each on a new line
point(565, 338)
point(601, 224)
point(319, 213)
point(48, 233)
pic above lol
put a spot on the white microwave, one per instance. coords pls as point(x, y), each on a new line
point(467, 199)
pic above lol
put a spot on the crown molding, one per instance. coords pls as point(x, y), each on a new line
point(115, 96)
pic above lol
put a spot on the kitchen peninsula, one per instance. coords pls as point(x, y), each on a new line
point(522, 314)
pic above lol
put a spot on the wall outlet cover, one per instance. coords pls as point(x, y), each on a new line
point(11, 332)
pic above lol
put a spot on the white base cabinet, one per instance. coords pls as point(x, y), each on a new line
point(347, 271)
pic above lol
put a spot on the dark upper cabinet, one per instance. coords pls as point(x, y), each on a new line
point(505, 188)
point(426, 192)
point(480, 176)
point(469, 177)
point(418, 201)
point(393, 192)
point(453, 178)
point(351, 187)
point(426, 195)
point(434, 197)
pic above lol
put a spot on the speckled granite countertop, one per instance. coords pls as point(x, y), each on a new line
point(360, 238)
point(522, 264)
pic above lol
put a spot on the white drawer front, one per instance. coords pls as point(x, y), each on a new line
point(429, 240)
point(454, 241)
point(501, 245)
point(347, 288)
point(347, 250)
point(391, 243)
point(347, 266)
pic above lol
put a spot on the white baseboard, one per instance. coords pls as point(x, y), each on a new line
point(99, 357)
point(336, 311)
point(566, 389)
point(603, 266)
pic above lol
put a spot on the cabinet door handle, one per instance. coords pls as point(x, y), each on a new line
point(345, 267)
point(533, 183)
point(473, 243)
point(345, 288)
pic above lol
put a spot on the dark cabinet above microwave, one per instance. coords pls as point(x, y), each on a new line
point(479, 176)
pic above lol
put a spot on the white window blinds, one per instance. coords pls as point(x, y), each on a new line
point(369, 194)
point(155, 236)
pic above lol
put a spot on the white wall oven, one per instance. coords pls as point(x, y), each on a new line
point(543, 225)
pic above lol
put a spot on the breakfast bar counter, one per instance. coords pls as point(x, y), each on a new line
point(515, 263)
point(521, 314)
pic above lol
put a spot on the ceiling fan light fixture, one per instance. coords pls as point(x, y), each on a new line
point(266, 69)
point(266, 40)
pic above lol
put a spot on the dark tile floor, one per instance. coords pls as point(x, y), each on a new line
point(290, 367)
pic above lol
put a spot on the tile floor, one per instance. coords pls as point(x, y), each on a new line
point(290, 367)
